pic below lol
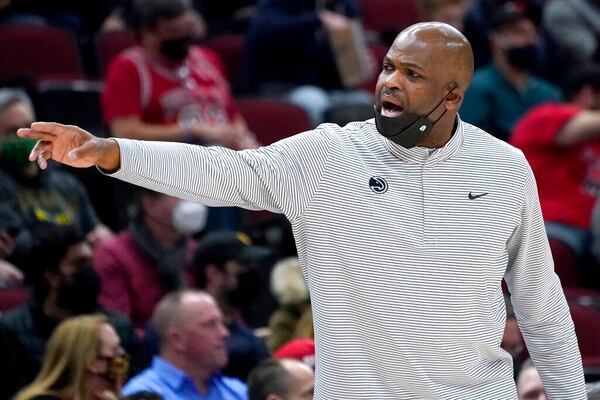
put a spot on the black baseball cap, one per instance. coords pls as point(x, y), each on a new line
point(219, 247)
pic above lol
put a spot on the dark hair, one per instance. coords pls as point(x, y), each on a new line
point(145, 395)
point(148, 12)
point(51, 245)
point(580, 77)
point(268, 377)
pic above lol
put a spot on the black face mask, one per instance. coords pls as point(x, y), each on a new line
point(409, 129)
point(79, 294)
point(246, 291)
point(176, 49)
point(524, 58)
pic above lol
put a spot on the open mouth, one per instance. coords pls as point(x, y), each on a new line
point(389, 109)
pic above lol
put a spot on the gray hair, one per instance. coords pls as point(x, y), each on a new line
point(9, 97)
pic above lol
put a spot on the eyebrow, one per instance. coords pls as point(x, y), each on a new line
point(404, 64)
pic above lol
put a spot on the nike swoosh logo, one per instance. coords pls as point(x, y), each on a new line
point(475, 196)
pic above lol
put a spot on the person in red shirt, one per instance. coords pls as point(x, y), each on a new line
point(560, 141)
point(167, 89)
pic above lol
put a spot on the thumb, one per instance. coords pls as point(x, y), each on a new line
point(88, 150)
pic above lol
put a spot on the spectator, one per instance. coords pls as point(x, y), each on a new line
point(64, 285)
point(529, 384)
point(575, 27)
point(304, 70)
point(145, 395)
point(503, 91)
point(594, 391)
point(143, 263)
point(166, 89)
point(293, 318)
point(84, 360)
point(558, 140)
point(451, 12)
point(512, 339)
point(224, 266)
point(31, 198)
point(192, 337)
point(285, 379)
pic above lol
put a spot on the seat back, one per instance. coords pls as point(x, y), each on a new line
point(587, 329)
point(389, 15)
point(272, 120)
point(12, 298)
point(34, 53)
point(230, 48)
point(109, 44)
point(72, 102)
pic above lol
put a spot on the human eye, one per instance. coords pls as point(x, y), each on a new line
point(387, 67)
point(412, 74)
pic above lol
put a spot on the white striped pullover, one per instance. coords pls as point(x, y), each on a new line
point(403, 250)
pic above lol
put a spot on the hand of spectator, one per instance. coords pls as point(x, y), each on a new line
point(99, 234)
point(7, 244)
point(333, 21)
point(71, 146)
point(10, 276)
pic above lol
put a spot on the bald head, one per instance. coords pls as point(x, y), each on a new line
point(446, 48)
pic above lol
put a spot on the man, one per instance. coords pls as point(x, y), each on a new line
point(28, 198)
point(559, 140)
point(405, 227)
point(529, 384)
point(64, 285)
point(166, 89)
point(504, 90)
point(286, 379)
point(192, 338)
point(224, 264)
point(149, 259)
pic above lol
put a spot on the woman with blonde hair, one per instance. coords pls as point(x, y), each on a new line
point(83, 361)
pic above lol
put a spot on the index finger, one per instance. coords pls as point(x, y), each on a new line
point(34, 134)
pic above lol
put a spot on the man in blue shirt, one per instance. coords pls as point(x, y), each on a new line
point(504, 90)
point(192, 338)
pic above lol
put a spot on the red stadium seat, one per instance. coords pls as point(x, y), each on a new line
point(272, 120)
point(389, 15)
point(35, 53)
point(110, 43)
point(230, 48)
point(565, 263)
point(587, 329)
point(12, 298)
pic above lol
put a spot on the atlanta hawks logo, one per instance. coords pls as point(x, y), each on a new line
point(378, 185)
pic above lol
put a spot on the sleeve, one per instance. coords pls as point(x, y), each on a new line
point(114, 293)
point(281, 178)
point(540, 306)
point(121, 96)
point(540, 126)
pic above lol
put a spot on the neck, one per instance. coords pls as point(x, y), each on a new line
point(442, 132)
point(50, 308)
point(156, 56)
point(198, 373)
point(164, 233)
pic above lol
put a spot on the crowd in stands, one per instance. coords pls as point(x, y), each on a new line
point(112, 292)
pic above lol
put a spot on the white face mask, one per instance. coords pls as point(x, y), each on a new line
point(189, 218)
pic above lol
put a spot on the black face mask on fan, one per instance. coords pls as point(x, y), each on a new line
point(408, 129)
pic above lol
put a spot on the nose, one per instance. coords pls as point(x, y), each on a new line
point(224, 331)
point(393, 81)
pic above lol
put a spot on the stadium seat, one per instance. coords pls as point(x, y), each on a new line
point(565, 263)
point(389, 15)
point(110, 43)
point(71, 102)
point(271, 119)
point(587, 329)
point(230, 48)
point(32, 53)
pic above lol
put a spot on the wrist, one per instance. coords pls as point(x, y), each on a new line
point(111, 157)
